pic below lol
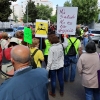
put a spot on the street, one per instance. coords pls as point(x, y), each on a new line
point(72, 91)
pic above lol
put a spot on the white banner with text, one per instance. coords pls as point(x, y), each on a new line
point(66, 20)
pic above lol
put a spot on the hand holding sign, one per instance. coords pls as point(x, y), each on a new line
point(65, 35)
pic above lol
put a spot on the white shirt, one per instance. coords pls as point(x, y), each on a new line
point(86, 33)
point(56, 55)
point(4, 44)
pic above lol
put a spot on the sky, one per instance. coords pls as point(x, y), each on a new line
point(59, 2)
point(55, 2)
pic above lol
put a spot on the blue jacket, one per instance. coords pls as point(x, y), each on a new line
point(28, 84)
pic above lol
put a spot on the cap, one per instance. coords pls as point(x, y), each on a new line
point(13, 39)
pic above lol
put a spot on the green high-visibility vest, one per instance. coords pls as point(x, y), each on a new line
point(76, 44)
point(48, 45)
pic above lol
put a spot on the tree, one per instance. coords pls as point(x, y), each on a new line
point(15, 18)
point(5, 10)
point(53, 19)
point(67, 4)
point(32, 12)
point(87, 10)
point(44, 12)
point(25, 18)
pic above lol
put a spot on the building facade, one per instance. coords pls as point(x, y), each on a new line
point(17, 12)
point(37, 2)
point(20, 8)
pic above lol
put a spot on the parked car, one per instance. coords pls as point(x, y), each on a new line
point(10, 31)
point(2, 29)
point(94, 34)
point(99, 43)
point(15, 29)
point(20, 28)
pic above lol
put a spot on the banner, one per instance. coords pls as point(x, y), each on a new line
point(66, 20)
point(41, 29)
point(28, 35)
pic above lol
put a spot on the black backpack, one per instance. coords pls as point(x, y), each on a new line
point(32, 61)
point(72, 50)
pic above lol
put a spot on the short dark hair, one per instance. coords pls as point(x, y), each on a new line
point(53, 39)
point(19, 34)
point(86, 29)
point(90, 47)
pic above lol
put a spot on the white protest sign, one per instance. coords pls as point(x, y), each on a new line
point(66, 20)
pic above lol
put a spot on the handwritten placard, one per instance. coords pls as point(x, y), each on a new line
point(66, 20)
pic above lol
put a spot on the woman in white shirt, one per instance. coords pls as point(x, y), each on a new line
point(56, 62)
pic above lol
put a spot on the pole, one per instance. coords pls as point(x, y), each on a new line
point(71, 3)
point(27, 13)
point(13, 13)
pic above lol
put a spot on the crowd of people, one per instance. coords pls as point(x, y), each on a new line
point(62, 56)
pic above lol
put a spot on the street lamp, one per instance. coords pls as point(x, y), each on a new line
point(56, 8)
point(71, 3)
point(27, 10)
point(27, 13)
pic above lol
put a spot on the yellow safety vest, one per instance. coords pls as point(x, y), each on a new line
point(76, 44)
point(82, 32)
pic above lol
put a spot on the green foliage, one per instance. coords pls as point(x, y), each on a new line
point(87, 10)
point(37, 12)
point(53, 19)
point(44, 12)
point(67, 4)
point(32, 12)
point(15, 18)
point(5, 10)
point(25, 18)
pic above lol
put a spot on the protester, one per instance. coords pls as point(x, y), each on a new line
point(33, 32)
point(88, 65)
point(19, 35)
point(85, 36)
point(38, 57)
point(71, 58)
point(4, 41)
point(0, 50)
point(11, 25)
point(79, 32)
point(6, 57)
point(56, 63)
point(26, 84)
point(46, 46)
point(24, 43)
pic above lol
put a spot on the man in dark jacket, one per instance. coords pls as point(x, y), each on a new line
point(27, 83)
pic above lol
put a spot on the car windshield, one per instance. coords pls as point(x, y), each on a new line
point(1, 30)
point(8, 30)
point(95, 32)
point(20, 28)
